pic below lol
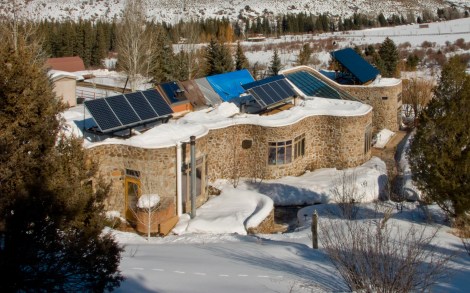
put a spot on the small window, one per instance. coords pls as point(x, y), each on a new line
point(246, 144)
point(384, 98)
point(367, 139)
point(299, 146)
point(133, 173)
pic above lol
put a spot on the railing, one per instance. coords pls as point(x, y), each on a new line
point(89, 94)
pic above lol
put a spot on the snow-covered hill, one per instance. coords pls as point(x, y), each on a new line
point(172, 11)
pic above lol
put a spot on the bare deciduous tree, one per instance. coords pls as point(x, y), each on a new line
point(135, 43)
point(377, 256)
point(347, 194)
point(19, 30)
point(417, 92)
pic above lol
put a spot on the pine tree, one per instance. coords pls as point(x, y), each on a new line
point(275, 65)
point(218, 58)
point(163, 58)
point(389, 58)
point(49, 215)
point(440, 151)
point(241, 62)
point(304, 55)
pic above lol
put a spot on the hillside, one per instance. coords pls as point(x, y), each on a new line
point(173, 11)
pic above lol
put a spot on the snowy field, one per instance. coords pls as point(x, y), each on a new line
point(212, 252)
point(437, 33)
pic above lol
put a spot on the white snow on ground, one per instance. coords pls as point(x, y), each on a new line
point(175, 11)
point(316, 187)
point(214, 256)
point(233, 211)
point(383, 137)
point(410, 191)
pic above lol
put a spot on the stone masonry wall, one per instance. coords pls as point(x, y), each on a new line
point(329, 142)
point(386, 112)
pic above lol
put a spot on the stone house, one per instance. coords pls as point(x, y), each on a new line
point(230, 146)
point(331, 128)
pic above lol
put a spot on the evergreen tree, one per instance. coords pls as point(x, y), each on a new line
point(388, 54)
point(382, 20)
point(440, 150)
point(51, 227)
point(275, 65)
point(304, 55)
point(241, 62)
point(163, 59)
point(218, 58)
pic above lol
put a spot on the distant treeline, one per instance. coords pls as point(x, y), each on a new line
point(93, 40)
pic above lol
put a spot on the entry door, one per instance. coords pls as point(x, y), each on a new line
point(132, 196)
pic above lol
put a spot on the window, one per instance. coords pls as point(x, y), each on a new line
point(132, 191)
point(367, 139)
point(133, 173)
point(284, 152)
point(384, 98)
point(299, 146)
point(280, 153)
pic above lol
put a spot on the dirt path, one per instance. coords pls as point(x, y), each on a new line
point(387, 154)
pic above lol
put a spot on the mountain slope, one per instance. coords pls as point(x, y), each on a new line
point(172, 11)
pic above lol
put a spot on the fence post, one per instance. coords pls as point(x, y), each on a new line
point(315, 230)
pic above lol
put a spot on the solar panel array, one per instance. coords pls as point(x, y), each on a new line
point(312, 86)
point(356, 65)
point(272, 93)
point(266, 80)
point(124, 111)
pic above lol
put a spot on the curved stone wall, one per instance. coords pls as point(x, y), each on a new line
point(385, 99)
point(329, 142)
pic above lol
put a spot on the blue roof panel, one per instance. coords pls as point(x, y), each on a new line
point(228, 85)
point(355, 64)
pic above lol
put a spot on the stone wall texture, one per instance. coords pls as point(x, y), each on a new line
point(329, 142)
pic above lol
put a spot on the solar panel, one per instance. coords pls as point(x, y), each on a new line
point(271, 93)
point(123, 110)
point(102, 114)
point(157, 102)
point(312, 86)
point(266, 80)
point(354, 63)
point(170, 89)
point(141, 106)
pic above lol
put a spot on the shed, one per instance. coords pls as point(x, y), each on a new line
point(65, 86)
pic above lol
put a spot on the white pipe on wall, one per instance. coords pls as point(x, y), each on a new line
point(179, 194)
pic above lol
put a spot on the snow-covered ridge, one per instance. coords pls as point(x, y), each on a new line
point(173, 11)
point(227, 114)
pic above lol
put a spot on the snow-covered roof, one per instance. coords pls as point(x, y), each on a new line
point(227, 114)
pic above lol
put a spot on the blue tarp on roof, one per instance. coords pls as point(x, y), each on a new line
point(355, 64)
point(250, 85)
point(228, 85)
